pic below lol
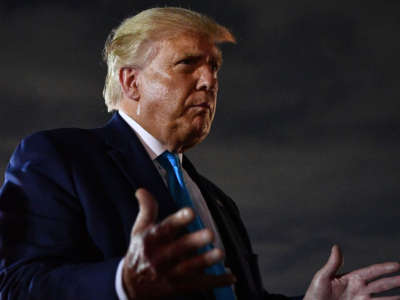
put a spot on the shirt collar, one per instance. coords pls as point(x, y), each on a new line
point(153, 146)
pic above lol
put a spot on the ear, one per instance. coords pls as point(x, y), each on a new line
point(128, 80)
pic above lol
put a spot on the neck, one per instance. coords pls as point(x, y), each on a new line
point(168, 137)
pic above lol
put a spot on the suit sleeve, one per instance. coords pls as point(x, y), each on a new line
point(45, 249)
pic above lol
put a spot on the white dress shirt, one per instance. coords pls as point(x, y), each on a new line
point(154, 148)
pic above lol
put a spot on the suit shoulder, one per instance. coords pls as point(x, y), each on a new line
point(60, 135)
point(62, 138)
point(50, 144)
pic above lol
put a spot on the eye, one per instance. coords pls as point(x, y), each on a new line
point(187, 61)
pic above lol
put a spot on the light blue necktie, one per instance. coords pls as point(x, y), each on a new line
point(180, 194)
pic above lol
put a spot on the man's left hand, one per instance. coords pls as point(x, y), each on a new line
point(357, 285)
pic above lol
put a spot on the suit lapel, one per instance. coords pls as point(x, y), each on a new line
point(129, 155)
point(131, 158)
point(239, 256)
point(217, 208)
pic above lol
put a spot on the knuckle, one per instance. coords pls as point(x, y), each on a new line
point(153, 231)
point(136, 244)
point(209, 234)
point(213, 256)
point(146, 243)
point(202, 237)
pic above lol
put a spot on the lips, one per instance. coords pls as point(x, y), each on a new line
point(201, 108)
point(204, 105)
point(201, 103)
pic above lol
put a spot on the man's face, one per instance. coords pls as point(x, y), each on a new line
point(178, 91)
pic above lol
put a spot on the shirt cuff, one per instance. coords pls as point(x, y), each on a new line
point(119, 288)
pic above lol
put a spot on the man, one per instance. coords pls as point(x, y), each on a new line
point(110, 213)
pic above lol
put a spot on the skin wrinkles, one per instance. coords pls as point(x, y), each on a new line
point(160, 262)
point(177, 91)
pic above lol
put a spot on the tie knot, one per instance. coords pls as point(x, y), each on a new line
point(168, 160)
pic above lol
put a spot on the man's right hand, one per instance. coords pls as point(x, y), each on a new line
point(160, 262)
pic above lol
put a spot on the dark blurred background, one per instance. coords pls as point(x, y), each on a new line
point(306, 138)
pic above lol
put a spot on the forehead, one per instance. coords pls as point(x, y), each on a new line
point(190, 45)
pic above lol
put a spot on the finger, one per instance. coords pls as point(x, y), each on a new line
point(333, 264)
point(204, 282)
point(383, 285)
point(374, 271)
point(172, 225)
point(388, 298)
point(198, 263)
point(148, 210)
point(177, 251)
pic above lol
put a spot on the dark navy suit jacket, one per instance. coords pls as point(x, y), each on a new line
point(67, 208)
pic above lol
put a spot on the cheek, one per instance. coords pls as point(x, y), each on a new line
point(155, 90)
point(158, 102)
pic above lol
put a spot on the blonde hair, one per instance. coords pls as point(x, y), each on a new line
point(129, 43)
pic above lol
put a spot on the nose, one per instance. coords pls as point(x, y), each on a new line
point(207, 79)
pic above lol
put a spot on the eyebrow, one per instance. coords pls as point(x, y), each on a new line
point(193, 56)
point(197, 56)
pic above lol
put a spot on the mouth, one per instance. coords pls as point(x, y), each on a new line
point(203, 105)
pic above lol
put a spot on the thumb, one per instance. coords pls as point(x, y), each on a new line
point(333, 264)
point(148, 210)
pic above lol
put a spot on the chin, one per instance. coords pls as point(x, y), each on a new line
point(201, 126)
point(196, 136)
point(202, 134)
